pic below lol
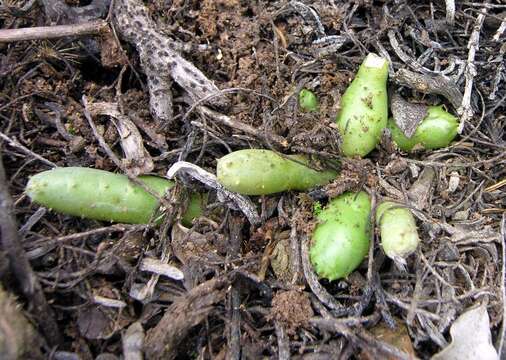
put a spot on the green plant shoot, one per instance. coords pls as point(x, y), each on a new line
point(340, 241)
point(262, 172)
point(102, 195)
point(437, 130)
point(364, 108)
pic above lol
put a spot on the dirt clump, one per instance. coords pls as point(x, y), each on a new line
point(292, 309)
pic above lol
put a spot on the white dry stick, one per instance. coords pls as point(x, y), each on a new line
point(500, 30)
point(450, 12)
point(466, 111)
point(113, 303)
point(161, 268)
point(241, 202)
point(137, 159)
point(498, 73)
point(146, 292)
point(133, 341)
point(310, 15)
point(161, 62)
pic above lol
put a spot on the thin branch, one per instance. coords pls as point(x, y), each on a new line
point(450, 12)
point(283, 342)
point(20, 266)
point(52, 32)
point(16, 144)
point(466, 111)
point(500, 30)
point(160, 61)
point(501, 349)
point(250, 130)
point(430, 84)
point(340, 326)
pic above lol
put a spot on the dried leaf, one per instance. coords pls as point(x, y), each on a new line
point(407, 115)
point(137, 159)
point(98, 322)
point(471, 337)
point(280, 260)
point(465, 235)
point(191, 246)
point(420, 190)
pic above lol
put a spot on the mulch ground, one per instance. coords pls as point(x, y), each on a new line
point(150, 74)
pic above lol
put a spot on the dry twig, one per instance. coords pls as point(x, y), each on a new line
point(250, 130)
point(21, 267)
point(160, 61)
point(16, 144)
point(430, 84)
point(52, 32)
point(241, 202)
point(137, 159)
point(465, 110)
point(181, 316)
point(450, 12)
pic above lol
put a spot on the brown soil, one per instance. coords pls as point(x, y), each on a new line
point(82, 282)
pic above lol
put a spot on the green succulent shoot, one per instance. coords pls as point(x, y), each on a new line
point(263, 172)
point(364, 108)
point(398, 231)
point(437, 130)
point(340, 240)
point(102, 195)
point(308, 100)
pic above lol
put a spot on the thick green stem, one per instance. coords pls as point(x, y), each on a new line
point(437, 130)
point(262, 172)
point(101, 195)
point(341, 239)
point(399, 235)
point(364, 108)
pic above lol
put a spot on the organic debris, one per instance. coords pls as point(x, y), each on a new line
point(167, 88)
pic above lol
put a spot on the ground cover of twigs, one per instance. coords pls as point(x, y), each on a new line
point(169, 87)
